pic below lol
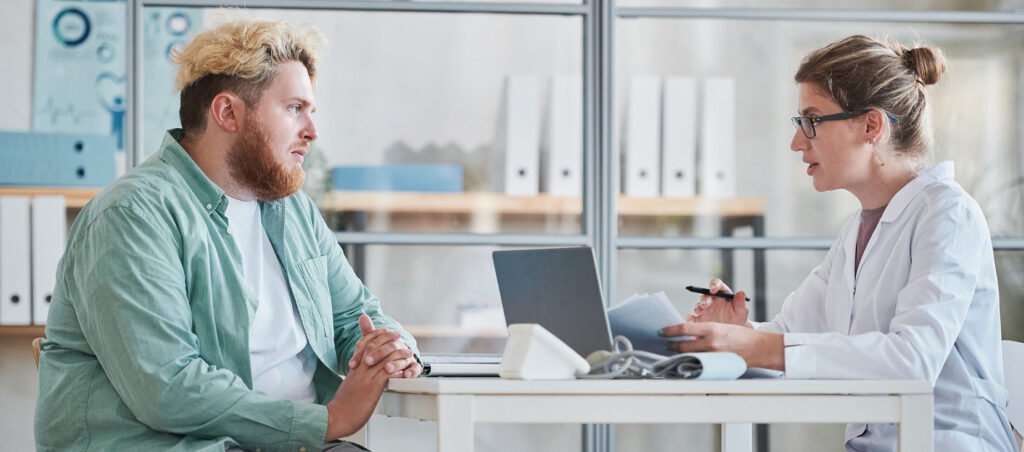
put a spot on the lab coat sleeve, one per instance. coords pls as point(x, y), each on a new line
point(803, 309)
point(947, 254)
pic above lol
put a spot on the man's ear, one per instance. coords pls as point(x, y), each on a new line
point(874, 125)
point(226, 111)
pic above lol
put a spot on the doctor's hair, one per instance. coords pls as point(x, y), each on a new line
point(240, 56)
point(860, 73)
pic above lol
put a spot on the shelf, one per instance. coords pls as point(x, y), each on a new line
point(32, 331)
point(497, 203)
point(475, 203)
point(418, 331)
point(453, 331)
point(76, 198)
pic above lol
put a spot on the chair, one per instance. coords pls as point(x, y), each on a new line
point(1013, 373)
point(37, 344)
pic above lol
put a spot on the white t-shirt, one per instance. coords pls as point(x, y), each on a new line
point(281, 359)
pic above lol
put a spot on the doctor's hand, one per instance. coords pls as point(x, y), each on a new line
point(758, 349)
point(382, 345)
point(718, 309)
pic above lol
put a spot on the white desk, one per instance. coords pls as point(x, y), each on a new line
point(459, 403)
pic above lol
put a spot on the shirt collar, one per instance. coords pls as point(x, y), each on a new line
point(925, 177)
point(209, 194)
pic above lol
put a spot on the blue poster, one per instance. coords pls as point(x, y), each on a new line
point(80, 67)
point(164, 31)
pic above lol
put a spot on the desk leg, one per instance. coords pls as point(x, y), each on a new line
point(455, 423)
point(737, 437)
point(916, 423)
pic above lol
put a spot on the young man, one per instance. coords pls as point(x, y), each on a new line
point(202, 302)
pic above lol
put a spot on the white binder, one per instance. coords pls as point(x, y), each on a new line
point(679, 137)
point(718, 138)
point(563, 159)
point(49, 233)
point(519, 138)
point(643, 137)
point(15, 296)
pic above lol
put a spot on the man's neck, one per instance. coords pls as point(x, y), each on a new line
point(211, 156)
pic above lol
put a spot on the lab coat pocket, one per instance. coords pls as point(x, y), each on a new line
point(995, 393)
point(314, 275)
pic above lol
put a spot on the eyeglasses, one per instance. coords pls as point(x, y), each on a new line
point(807, 124)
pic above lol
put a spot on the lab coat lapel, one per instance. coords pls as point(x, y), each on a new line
point(844, 297)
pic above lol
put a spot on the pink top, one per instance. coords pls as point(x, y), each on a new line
point(868, 222)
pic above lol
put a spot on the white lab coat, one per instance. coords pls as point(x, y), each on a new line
point(924, 305)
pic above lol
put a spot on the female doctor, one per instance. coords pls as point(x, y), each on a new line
point(908, 291)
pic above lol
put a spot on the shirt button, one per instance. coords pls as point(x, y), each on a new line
point(209, 206)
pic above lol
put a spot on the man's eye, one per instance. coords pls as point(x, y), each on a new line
point(294, 108)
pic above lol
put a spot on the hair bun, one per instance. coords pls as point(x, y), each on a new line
point(927, 62)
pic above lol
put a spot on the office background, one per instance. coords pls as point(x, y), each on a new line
point(437, 83)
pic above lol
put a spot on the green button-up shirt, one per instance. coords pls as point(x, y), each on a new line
point(148, 332)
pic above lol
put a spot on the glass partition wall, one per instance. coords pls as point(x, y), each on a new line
point(449, 130)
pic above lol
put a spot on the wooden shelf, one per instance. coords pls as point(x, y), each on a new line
point(475, 203)
point(76, 198)
point(418, 331)
point(497, 203)
point(32, 331)
point(454, 331)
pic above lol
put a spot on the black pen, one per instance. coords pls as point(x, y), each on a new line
point(703, 291)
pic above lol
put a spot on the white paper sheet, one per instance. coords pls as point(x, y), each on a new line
point(640, 317)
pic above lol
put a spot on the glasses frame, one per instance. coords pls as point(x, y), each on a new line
point(799, 121)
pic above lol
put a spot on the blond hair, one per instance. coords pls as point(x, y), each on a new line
point(239, 56)
point(862, 73)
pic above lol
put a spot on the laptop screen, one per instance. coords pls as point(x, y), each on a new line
point(558, 289)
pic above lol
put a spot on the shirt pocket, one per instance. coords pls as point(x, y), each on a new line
point(314, 275)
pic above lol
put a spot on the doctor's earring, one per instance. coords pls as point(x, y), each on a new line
point(878, 158)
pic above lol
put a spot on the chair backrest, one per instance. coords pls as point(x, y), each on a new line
point(1013, 374)
point(37, 344)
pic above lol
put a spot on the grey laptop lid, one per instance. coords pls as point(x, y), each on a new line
point(558, 289)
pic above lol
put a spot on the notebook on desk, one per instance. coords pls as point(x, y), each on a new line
point(554, 287)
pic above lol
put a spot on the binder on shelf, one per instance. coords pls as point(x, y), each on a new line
point(643, 137)
point(679, 137)
point(718, 138)
point(15, 296)
point(49, 233)
point(519, 137)
point(562, 161)
point(56, 159)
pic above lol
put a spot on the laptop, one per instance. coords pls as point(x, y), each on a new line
point(554, 287)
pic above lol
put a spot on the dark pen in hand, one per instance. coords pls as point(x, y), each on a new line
point(728, 296)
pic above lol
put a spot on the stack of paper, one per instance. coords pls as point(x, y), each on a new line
point(639, 318)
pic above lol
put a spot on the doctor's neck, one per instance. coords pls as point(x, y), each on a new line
point(886, 177)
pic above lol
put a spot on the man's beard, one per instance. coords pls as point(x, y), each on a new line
point(253, 165)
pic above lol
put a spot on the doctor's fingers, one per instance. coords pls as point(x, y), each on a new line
point(717, 285)
point(700, 344)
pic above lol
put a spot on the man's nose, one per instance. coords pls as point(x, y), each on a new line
point(309, 132)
